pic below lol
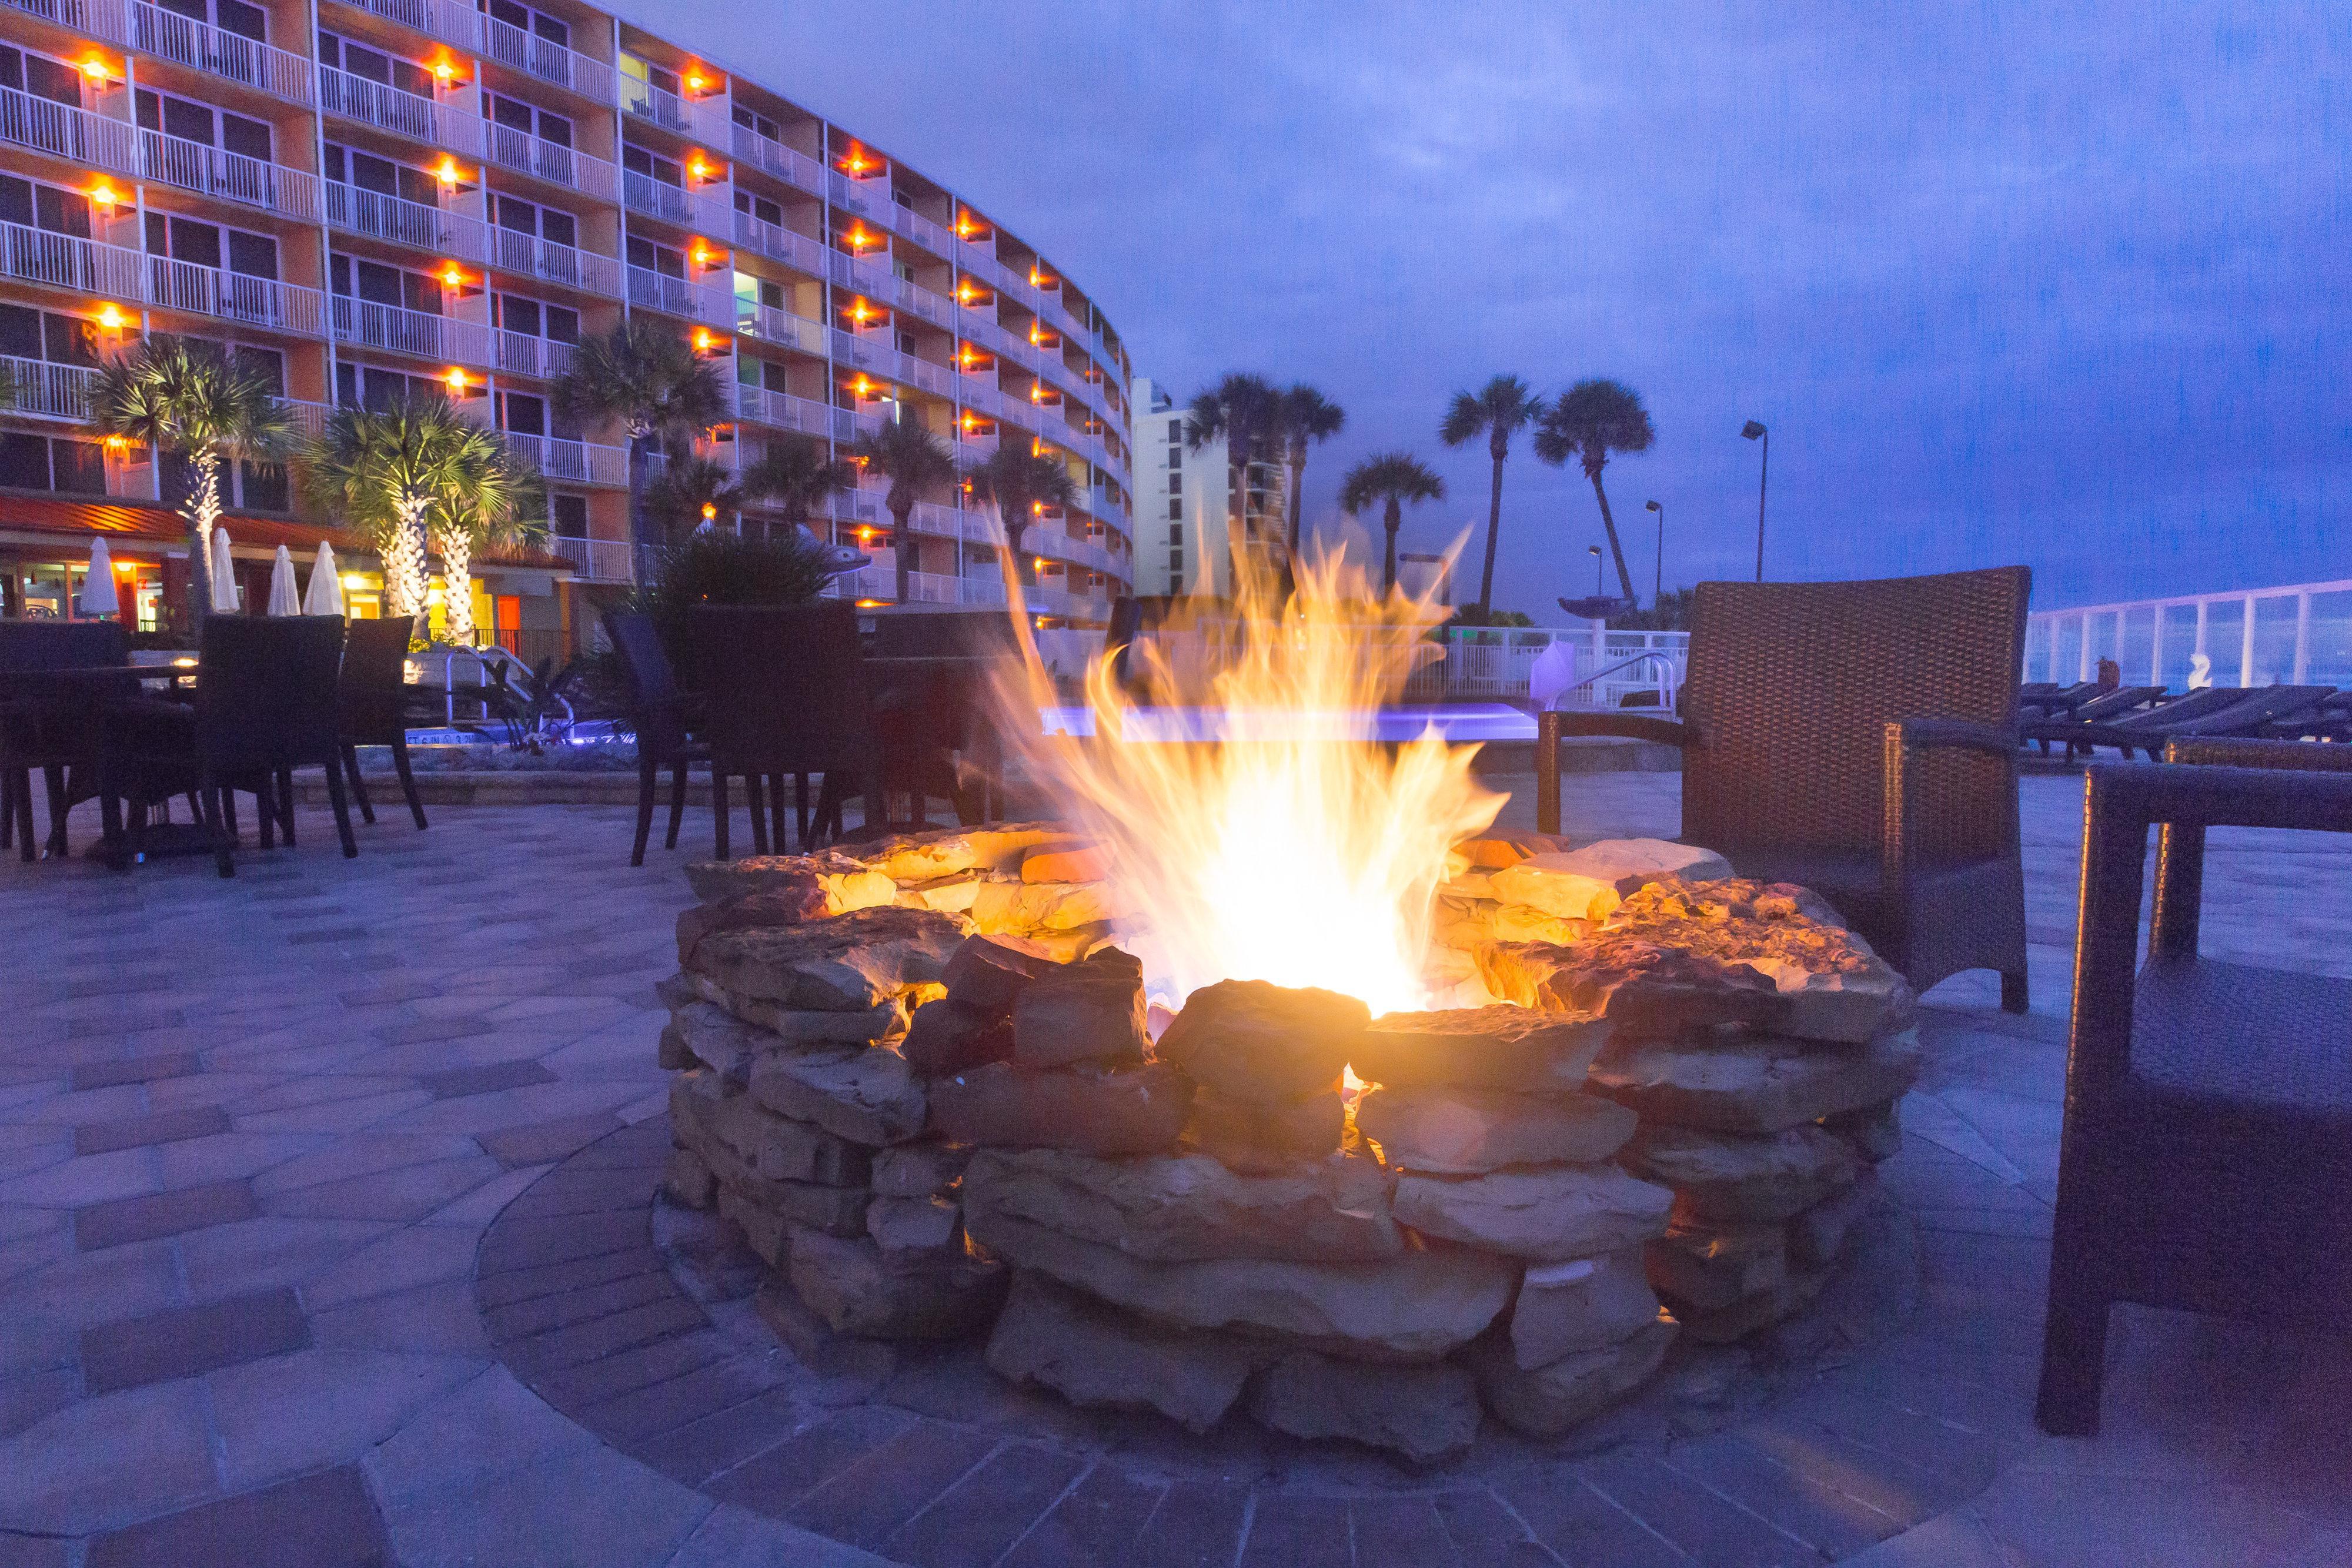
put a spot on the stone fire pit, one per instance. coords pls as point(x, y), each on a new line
point(922, 1081)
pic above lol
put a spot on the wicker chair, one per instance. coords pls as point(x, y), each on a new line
point(658, 714)
point(49, 727)
point(373, 692)
point(2208, 1142)
point(785, 687)
point(1860, 738)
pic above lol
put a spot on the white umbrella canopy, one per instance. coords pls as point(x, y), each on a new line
point(224, 575)
point(98, 595)
point(325, 594)
point(283, 600)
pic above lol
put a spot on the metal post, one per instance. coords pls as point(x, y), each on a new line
point(1548, 771)
point(2246, 645)
point(1763, 477)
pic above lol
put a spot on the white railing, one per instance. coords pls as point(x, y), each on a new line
point(937, 238)
point(62, 261)
point(865, 197)
point(521, 354)
point(514, 251)
point(698, 301)
point(786, 412)
point(97, 18)
point(281, 73)
point(311, 416)
point(550, 161)
point(796, 168)
point(444, 338)
point(979, 393)
point(782, 328)
point(597, 560)
point(787, 245)
point(215, 171)
point(2299, 635)
point(707, 119)
point(46, 390)
point(64, 132)
point(405, 114)
point(873, 353)
point(973, 450)
point(573, 462)
point(1495, 662)
point(548, 60)
point(673, 203)
point(404, 222)
point(233, 296)
point(442, 19)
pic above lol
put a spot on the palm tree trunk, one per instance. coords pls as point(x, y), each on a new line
point(1014, 533)
point(404, 558)
point(1494, 538)
point(1298, 483)
point(203, 508)
point(458, 588)
point(1236, 523)
point(901, 544)
point(639, 443)
point(1609, 524)
point(1390, 520)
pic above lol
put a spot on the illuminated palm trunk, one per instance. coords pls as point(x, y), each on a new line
point(458, 588)
point(404, 558)
point(202, 509)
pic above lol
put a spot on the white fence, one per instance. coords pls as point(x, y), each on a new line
point(1498, 661)
point(2299, 636)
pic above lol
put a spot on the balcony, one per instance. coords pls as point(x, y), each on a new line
point(867, 198)
point(937, 238)
point(573, 463)
point(404, 222)
point(703, 118)
point(167, 35)
point(61, 261)
point(542, 357)
point(310, 417)
point(211, 171)
point(795, 168)
point(513, 251)
point(593, 560)
point(261, 302)
point(786, 412)
point(548, 60)
point(401, 113)
point(442, 19)
point(876, 280)
point(872, 353)
point(557, 165)
point(701, 302)
point(76, 135)
point(47, 390)
point(781, 327)
point(445, 338)
point(671, 204)
point(780, 244)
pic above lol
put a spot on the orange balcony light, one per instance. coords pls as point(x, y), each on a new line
point(448, 174)
point(858, 238)
point(863, 535)
point(703, 339)
point(699, 167)
point(453, 276)
point(110, 318)
point(710, 512)
point(457, 380)
point(96, 68)
point(695, 81)
point(443, 71)
point(103, 194)
point(116, 444)
point(701, 254)
point(862, 387)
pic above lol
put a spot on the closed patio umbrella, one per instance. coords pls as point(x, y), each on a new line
point(224, 575)
point(325, 594)
point(283, 600)
point(98, 595)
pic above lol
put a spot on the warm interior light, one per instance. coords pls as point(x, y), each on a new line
point(355, 579)
point(110, 318)
point(1037, 508)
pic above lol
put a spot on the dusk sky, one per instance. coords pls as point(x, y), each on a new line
point(2064, 284)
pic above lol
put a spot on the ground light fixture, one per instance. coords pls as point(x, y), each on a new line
point(1754, 431)
point(1658, 572)
point(1594, 551)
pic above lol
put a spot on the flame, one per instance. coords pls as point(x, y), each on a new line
point(1295, 850)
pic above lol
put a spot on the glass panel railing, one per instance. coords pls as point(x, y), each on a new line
point(2275, 626)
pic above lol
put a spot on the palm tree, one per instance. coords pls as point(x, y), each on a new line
point(689, 493)
point(1498, 411)
point(914, 460)
point(386, 469)
point(1301, 415)
point(1239, 411)
point(650, 381)
point(800, 476)
point(1591, 420)
point(489, 502)
point(1021, 483)
point(186, 398)
point(1398, 479)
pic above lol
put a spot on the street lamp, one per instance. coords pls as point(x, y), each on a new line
point(1594, 551)
point(1755, 432)
point(1658, 574)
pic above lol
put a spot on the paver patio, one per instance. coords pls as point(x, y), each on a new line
point(253, 1135)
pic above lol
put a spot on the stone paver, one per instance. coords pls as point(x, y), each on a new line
point(294, 1169)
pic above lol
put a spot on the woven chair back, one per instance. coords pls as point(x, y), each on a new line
point(267, 697)
point(785, 687)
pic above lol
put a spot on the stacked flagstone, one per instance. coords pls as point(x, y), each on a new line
point(1763, 1047)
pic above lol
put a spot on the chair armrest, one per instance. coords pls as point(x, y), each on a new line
point(1921, 734)
point(1625, 726)
point(2303, 754)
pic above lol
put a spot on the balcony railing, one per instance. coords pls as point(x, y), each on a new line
point(281, 73)
point(873, 354)
point(524, 355)
point(215, 171)
point(798, 168)
point(705, 119)
point(64, 132)
point(61, 261)
point(672, 204)
point(405, 114)
point(573, 462)
point(595, 560)
point(444, 338)
point(786, 412)
point(868, 198)
point(2296, 634)
point(235, 296)
point(548, 60)
point(46, 390)
point(549, 161)
point(696, 301)
point(442, 19)
point(404, 222)
point(311, 418)
point(781, 327)
point(778, 243)
point(513, 251)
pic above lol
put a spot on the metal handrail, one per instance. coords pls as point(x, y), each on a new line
point(1664, 675)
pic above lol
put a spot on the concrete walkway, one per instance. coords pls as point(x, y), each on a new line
point(252, 1135)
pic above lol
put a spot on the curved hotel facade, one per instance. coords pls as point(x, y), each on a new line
point(355, 196)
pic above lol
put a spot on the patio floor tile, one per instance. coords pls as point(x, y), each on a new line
point(321, 1520)
point(190, 1340)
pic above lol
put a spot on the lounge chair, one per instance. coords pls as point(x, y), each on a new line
point(1859, 739)
point(2047, 699)
point(2111, 705)
point(2216, 712)
point(2329, 719)
point(2207, 1140)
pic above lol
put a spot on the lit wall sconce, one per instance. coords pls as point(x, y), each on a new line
point(105, 196)
point(448, 174)
point(96, 68)
point(456, 382)
point(710, 512)
point(110, 318)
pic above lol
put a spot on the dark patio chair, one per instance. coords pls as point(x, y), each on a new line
point(47, 727)
point(2230, 711)
point(1860, 738)
point(661, 715)
point(942, 722)
point(783, 689)
point(2047, 699)
point(374, 692)
point(2208, 1141)
point(2096, 705)
point(264, 706)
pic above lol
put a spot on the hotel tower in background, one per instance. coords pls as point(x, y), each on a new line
point(359, 196)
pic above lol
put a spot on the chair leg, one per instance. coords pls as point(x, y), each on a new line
point(227, 799)
point(54, 779)
point(220, 815)
point(286, 800)
point(8, 808)
point(407, 779)
point(2073, 1362)
point(676, 802)
point(801, 808)
point(718, 810)
point(341, 802)
point(754, 797)
point(776, 820)
point(264, 809)
point(20, 811)
point(2012, 992)
point(645, 809)
point(359, 785)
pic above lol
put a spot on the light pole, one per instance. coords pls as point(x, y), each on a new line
point(1755, 432)
point(1658, 574)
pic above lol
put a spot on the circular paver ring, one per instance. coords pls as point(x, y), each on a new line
point(636, 1319)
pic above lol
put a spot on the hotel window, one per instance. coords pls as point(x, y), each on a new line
point(653, 75)
point(357, 59)
point(525, 415)
point(366, 386)
point(195, 123)
point(638, 160)
point(202, 244)
point(539, 24)
point(1176, 562)
point(379, 284)
point(555, 226)
point(1175, 432)
point(538, 320)
point(44, 207)
point(366, 172)
point(652, 257)
point(1176, 483)
point(758, 124)
point(58, 464)
point(1175, 508)
point(1176, 535)
point(567, 516)
point(41, 76)
point(760, 208)
point(528, 118)
point(46, 335)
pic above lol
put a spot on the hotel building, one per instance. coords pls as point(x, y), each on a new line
point(355, 197)
point(1185, 502)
